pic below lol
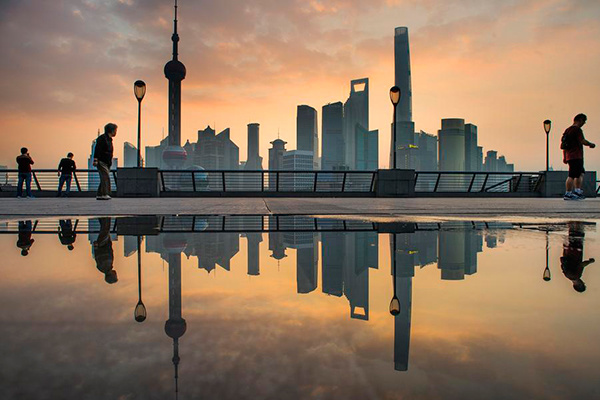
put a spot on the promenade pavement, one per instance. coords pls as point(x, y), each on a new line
point(380, 208)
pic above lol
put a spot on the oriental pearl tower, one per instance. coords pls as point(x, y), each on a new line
point(175, 155)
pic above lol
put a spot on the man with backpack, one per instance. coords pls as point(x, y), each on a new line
point(572, 143)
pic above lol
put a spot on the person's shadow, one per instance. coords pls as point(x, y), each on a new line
point(571, 262)
point(25, 241)
point(103, 252)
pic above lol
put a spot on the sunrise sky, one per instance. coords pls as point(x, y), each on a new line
point(68, 67)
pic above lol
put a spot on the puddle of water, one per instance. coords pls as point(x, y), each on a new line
point(297, 307)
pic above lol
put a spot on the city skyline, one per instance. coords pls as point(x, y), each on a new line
point(472, 74)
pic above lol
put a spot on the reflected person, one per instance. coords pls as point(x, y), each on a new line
point(572, 263)
point(103, 252)
point(66, 235)
point(25, 241)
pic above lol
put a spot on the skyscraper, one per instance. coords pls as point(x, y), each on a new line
point(254, 160)
point(216, 151)
point(332, 144)
point(452, 144)
point(307, 136)
point(356, 114)
point(367, 149)
point(174, 155)
point(471, 148)
point(402, 73)
point(406, 148)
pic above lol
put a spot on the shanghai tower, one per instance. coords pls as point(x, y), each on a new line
point(405, 140)
point(402, 73)
point(174, 155)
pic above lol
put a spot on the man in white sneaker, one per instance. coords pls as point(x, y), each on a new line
point(103, 155)
point(572, 143)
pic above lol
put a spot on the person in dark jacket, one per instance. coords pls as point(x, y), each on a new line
point(66, 168)
point(25, 162)
point(103, 155)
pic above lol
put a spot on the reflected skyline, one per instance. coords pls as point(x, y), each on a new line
point(351, 265)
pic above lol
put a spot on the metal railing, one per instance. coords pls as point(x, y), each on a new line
point(46, 180)
point(245, 223)
point(205, 181)
point(332, 183)
point(477, 182)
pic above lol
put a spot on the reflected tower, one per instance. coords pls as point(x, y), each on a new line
point(175, 326)
point(174, 155)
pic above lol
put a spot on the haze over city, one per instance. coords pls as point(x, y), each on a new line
point(69, 67)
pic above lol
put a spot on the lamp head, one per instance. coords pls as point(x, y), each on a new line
point(140, 312)
point(395, 306)
point(547, 126)
point(395, 95)
point(139, 89)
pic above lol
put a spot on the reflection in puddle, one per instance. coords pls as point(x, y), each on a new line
point(345, 251)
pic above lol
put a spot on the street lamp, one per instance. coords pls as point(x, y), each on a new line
point(395, 95)
point(139, 89)
point(140, 309)
point(395, 303)
point(547, 127)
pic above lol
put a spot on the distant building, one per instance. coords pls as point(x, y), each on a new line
point(254, 160)
point(491, 161)
point(367, 149)
point(356, 116)
point(154, 154)
point(276, 153)
point(471, 154)
point(452, 145)
point(215, 152)
point(332, 145)
point(130, 156)
point(428, 152)
point(307, 135)
point(297, 160)
point(276, 161)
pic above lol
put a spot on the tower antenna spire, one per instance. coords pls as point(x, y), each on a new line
point(175, 36)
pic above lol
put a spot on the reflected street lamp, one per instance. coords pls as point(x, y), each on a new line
point(547, 275)
point(140, 309)
point(395, 95)
point(395, 303)
point(139, 89)
point(547, 127)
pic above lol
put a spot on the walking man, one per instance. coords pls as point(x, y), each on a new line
point(572, 145)
point(25, 162)
point(103, 155)
point(66, 168)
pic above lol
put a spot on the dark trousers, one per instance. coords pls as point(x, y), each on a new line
point(64, 178)
point(24, 177)
point(104, 187)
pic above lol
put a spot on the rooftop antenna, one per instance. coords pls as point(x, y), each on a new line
point(277, 132)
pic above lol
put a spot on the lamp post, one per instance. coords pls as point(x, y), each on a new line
point(395, 303)
point(547, 127)
point(140, 309)
point(395, 95)
point(139, 89)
